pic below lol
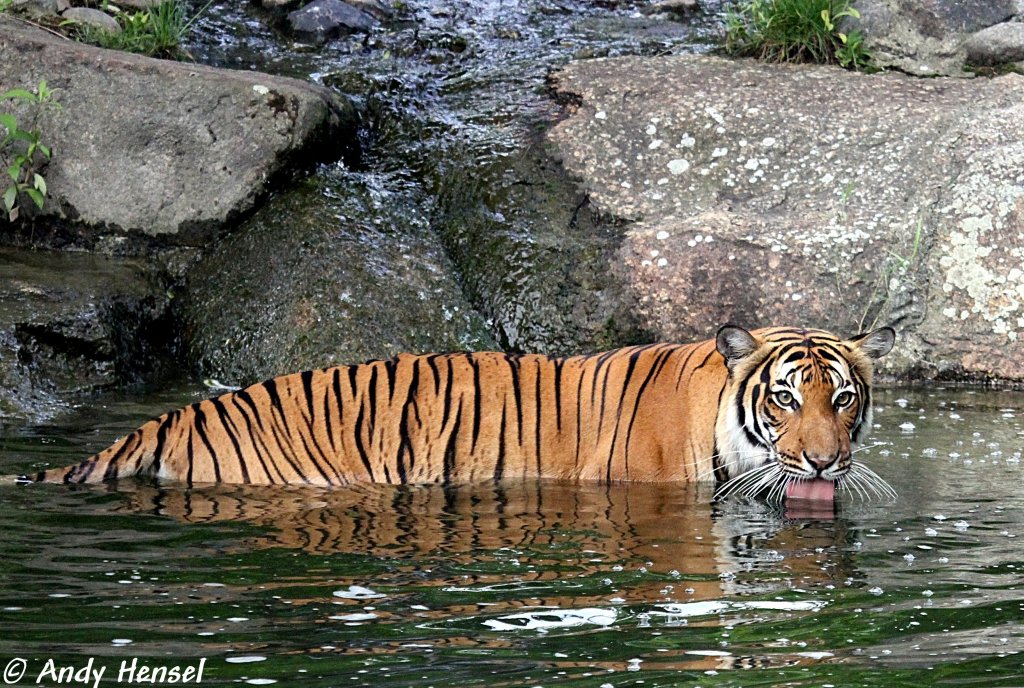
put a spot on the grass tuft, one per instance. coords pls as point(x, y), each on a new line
point(795, 31)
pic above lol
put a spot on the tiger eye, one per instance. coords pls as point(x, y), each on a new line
point(783, 397)
point(844, 399)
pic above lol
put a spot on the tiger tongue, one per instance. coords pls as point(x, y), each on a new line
point(817, 489)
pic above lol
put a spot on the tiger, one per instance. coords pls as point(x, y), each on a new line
point(775, 411)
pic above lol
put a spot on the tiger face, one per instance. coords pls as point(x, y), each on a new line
point(796, 405)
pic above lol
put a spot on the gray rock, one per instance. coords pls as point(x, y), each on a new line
point(799, 194)
point(39, 9)
point(62, 321)
point(322, 20)
point(924, 36)
point(678, 7)
point(287, 291)
point(87, 16)
point(279, 4)
point(181, 150)
point(996, 45)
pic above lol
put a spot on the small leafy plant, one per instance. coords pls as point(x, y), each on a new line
point(158, 32)
point(795, 31)
point(22, 150)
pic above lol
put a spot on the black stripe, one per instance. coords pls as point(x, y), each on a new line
point(231, 431)
point(390, 368)
point(686, 361)
point(372, 388)
point(652, 374)
point(307, 389)
point(254, 438)
point(513, 366)
point(432, 362)
point(579, 407)
point(328, 417)
point(537, 424)
point(287, 452)
point(191, 456)
point(447, 405)
point(499, 466)
point(405, 442)
point(353, 383)
point(130, 443)
point(477, 394)
point(449, 451)
point(558, 363)
point(633, 357)
point(161, 439)
point(201, 431)
point(358, 433)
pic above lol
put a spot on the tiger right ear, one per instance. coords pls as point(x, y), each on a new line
point(735, 344)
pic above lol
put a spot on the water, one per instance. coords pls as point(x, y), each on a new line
point(529, 584)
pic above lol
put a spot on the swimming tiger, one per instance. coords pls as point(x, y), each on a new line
point(776, 410)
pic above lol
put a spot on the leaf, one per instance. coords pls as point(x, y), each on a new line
point(8, 122)
point(45, 150)
point(9, 196)
point(40, 183)
point(36, 197)
point(825, 18)
point(14, 171)
point(18, 94)
point(842, 37)
point(853, 12)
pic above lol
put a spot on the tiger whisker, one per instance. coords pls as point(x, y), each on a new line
point(730, 486)
point(873, 481)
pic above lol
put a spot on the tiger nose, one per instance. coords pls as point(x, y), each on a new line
point(822, 461)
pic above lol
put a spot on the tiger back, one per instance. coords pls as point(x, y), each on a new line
point(642, 413)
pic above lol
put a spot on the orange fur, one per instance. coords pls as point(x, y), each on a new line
point(643, 413)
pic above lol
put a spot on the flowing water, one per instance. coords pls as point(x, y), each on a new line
point(528, 584)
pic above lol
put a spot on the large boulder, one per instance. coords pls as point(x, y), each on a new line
point(64, 327)
point(324, 275)
point(810, 195)
point(165, 148)
point(926, 37)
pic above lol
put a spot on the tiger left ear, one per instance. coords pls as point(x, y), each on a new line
point(735, 344)
point(876, 343)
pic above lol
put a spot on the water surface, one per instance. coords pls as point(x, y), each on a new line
point(530, 584)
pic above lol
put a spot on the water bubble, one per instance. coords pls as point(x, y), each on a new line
point(931, 532)
point(961, 525)
point(907, 427)
point(876, 590)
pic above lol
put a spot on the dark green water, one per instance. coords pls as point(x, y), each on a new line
point(529, 584)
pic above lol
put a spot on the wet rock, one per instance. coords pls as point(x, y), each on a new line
point(96, 19)
point(678, 7)
point(67, 327)
point(193, 147)
point(925, 37)
point(39, 9)
point(996, 45)
point(322, 20)
point(289, 291)
point(756, 194)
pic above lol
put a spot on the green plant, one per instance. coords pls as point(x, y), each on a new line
point(795, 31)
point(157, 32)
point(891, 279)
point(22, 151)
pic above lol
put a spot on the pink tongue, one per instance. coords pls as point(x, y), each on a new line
point(816, 489)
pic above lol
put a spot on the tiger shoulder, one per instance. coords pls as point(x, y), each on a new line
point(792, 399)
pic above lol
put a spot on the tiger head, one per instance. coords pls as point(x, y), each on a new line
point(796, 404)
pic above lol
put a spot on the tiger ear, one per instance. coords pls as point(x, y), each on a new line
point(735, 344)
point(876, 343)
